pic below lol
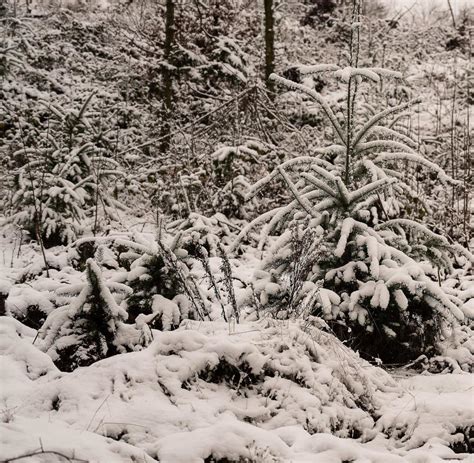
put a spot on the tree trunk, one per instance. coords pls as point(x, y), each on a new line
point(168, 97)
point(269, 43)
point(169, 41)
point(3, 299)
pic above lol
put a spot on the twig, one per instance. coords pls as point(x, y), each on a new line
point(43, 452)
point(97, 411)
point(197, 121)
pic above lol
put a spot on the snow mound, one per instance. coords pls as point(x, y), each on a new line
point(57, 442)
point(433, 408)
point(22, 365)
point(267, 391)
point(224, 392)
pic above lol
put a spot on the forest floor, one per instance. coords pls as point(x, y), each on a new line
point(251, 392)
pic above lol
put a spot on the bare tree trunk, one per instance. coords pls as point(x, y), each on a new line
point(269, 43)
point(168, 97)
point(452, 13)
point(169, 41)
point(3, 308)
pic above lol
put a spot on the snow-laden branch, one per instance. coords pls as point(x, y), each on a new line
point(316, 97)
point(378, 117)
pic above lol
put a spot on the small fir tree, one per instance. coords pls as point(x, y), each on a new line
point(91, 326)
point(376, 285)
point(61, 179)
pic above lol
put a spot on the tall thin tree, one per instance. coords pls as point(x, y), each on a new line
point(269, 43)
point(168, 97)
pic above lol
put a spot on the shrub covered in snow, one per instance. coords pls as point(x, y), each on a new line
point(171, 348)
point(199, 231)
point(354, 266)
point(89, 327)
point(373, 295)
point(162, 287)
point(201, 382)
point(60, 181)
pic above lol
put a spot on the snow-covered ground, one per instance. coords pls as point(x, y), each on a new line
point(260, 392)
point(263, 391)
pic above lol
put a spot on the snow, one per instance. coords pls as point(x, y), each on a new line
point(166, 406)
point(169, 311)
point(25, 435)
point(355, 227)
point(346, 229)
point(433, 405)
point(468, 308)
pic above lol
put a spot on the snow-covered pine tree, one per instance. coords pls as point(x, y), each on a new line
point(90, 324)
point(232, 169)
point(377, 289)
point(162, 287)
point(198, 231)
point(231, 165)
point(61, 177)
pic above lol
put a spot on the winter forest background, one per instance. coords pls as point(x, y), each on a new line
point(236, 231)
